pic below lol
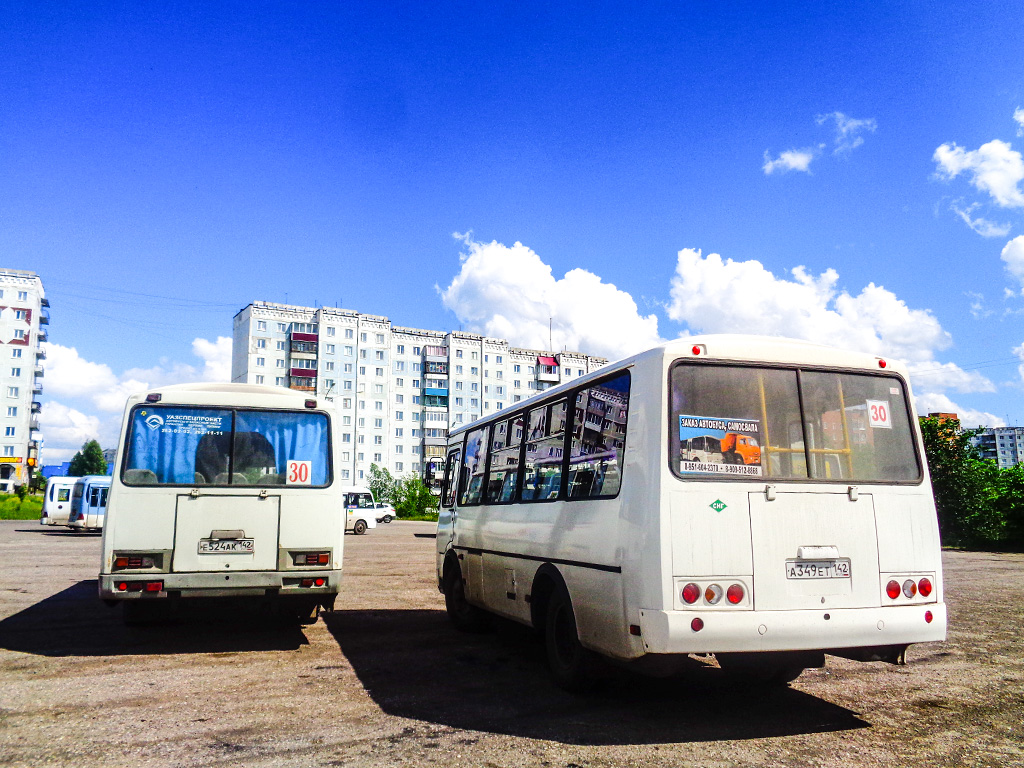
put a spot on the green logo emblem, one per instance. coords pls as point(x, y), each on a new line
point(718, 505)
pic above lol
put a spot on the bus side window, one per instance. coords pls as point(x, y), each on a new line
point(472, 480)
point(450, 475)
point(599, 438)
point(542, 478)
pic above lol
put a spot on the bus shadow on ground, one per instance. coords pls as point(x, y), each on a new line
point(75, 622)
point(413, 664)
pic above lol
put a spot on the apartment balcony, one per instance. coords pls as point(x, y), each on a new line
point(33, 424)
point(40, 353)
point(435, 441)
point(295, 336)
point(44, 302)
point(36, 406)
point(550, 376)
point(435, 354)
point(442, 391)
point(44, 317)
point(303, 372)
point(38, 371)
point(37, 389)
point(41, 334)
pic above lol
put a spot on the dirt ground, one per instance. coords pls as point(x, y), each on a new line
point(385, 681)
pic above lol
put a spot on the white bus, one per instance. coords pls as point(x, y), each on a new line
point(57, 504)
point(224, 490)
point(360, 510)
point(579, 512)
point(89, 503)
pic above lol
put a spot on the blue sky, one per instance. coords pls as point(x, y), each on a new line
point(161, 167)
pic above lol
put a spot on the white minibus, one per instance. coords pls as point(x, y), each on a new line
point(581, 512)
point(360, 510)
point(89, 503)
point(57, 502)
point(224, 490)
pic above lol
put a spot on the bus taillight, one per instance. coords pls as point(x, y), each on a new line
point(690, 593)
point(892, 589)
point(735, 594)
point(909, 588)
point(924, 587)
point(713, 594)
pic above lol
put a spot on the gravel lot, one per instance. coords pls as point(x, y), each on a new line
point(385, 681)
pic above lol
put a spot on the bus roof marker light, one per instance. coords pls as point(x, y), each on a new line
point(311, 403)
point(153, 397)
point(881, 363)
point(699, 349)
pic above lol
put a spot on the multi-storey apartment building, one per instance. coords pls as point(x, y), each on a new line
point(397, 390)
point(1005, 445)
point(23, 322)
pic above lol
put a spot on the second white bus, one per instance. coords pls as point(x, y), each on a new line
point(585, 513)
point(224, 490)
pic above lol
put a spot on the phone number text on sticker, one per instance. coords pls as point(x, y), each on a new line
point(751, 470)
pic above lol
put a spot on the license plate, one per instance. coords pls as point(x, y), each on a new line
point(226, 546)
point(817, 569)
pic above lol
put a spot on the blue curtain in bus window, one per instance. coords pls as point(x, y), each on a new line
point(163, 445)
point(265, 441)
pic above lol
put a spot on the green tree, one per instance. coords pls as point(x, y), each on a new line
point(412, 498)
point(966, 488)
point(88, 461)
point(382, 484)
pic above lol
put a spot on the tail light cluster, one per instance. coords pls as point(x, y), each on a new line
point(312, 558)
point(135, 561)
point(693, 593)
point(909, 588)
point(140, 586)
point(319, 581)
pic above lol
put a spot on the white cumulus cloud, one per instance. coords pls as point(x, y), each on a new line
point(849, 131)
point(983, 227)
point(790, 160)
point(1018, 116)
point(995, 168)
point(970, 418)
point(1013, 256)
point(509, 292)
point(65, 430)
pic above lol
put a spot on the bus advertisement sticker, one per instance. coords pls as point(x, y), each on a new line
point(719, 445)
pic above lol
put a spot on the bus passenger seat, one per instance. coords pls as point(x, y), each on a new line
point(140, 476)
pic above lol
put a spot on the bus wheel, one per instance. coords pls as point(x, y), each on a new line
point(465, 616)
point(359, 527)
point(572, 666)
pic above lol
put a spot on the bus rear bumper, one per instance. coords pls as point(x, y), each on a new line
point(282, 583)
point(724, 632)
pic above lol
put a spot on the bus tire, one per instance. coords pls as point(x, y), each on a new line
point(465, 616)
point(359, 527)
point(572, 666)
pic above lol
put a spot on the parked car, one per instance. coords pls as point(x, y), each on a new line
point(385, 513)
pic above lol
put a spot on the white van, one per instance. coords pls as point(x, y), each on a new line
point(224, 490)
point(360, 510)
point(89, 503)
point(57, 503)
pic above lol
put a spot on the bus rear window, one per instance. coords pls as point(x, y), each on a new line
point(180, 445)
point(734, 421)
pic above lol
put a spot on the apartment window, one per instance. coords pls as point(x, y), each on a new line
point(282, 327)
point(378, 405)
point(399, 366)
point(487, 358)
point(379, 354)
point(348, 367)
point(399, 382)
point(500, 390)
point(378, 371)
point(260, 362)
point(415, 350)
point(378, 389)
point(398, 449)
point(515, 368)
point(398, 431)
point(458, 401)
point(329, 366)
point(417, 367)
point(8, 450)
point(487, 389)
point(344, 474)
point(280, 345)
point(362, 405)
point(380, 338)
point(417, 432)
point(498, 359)
point(261, 325)
point(474, 386)
point(15, 372)
point(458, 353)
point(19, 314)
point(12, 410)
point(400, 349)
point(19, 333)
point(415, 383)
point(329, 384)
point(362, 337)
point(346, 420)
point(362, 354)
point(473, 402)
point(487, 374)
point(347, 402)
point(415, 416)
point(349, 334)
point(516, 398)
point(359, 457)
point(8, 431)
point(330, 330)
point(473, 355)
point(378, 423)
point(279, 363)
point(259, 379)
point(399, 399)
point(15, 353)
point(346, 437)
point(376, 457)
point(474, 371)
point(360, 472)
point(458, 385)
point(499, 375)
point(399, 415)
point(279, 381)
point(348, 351)
point(362, 370)
point(378, 440)
point(261, 343)
point(361, 439)
point(362, 422)
point(415, 399)
point(398, 466)
point(517, 384)
point(22, 295)
point(347, 384)
point(329, 348)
